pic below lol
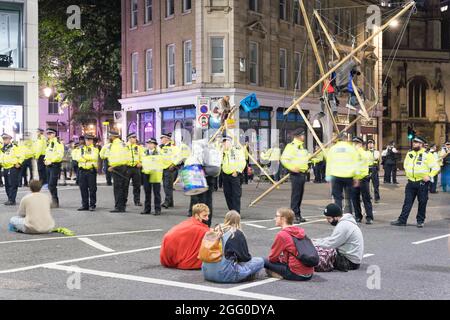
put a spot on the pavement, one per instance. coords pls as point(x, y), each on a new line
point(116, 256)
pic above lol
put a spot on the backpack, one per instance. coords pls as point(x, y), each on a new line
point(306, 252)
point(211, 247)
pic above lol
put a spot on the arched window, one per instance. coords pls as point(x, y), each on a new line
point(417, 101)
point(387, 93)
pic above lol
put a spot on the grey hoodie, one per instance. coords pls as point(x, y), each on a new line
point(347, 238)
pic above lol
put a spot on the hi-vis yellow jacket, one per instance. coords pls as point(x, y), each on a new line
point(419, 165)
point(295, 157)
point(135, 153)
point(26, 148)
point(152, 165)
point(170, 155)
point(54, 152)
point(318, 158)
point(39, 146)
point(272, 154)
point(343, 161)
point(76, 154)
point(364, 162)
point(233, 160)
point(117, 153)
point(88, 157)
point(11, 156)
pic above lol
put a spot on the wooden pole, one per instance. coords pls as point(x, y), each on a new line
point(310, 128)
point(222, 127)
point(360, 101)
point(351, 54)
point(327, 34)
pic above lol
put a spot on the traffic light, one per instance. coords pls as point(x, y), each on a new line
point(411, 133)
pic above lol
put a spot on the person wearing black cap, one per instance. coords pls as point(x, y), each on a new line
point(295, 158)
point(152, 169)
point(87, 167)
point(374, 168)
point(53, 158)
point(168, 151)
point(11, 160)
point(420, 168)
point(39, 147)
point(363, 188)
point(444, 156)
point(344, 249)
point(134, 167)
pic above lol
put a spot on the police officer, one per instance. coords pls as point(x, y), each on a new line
point(75, 155)
point(87, 166)
point(168, 152)
point(363, 189)
point(233, 165)
point(420, 168)
point(26, 148)
point(295, 158)
point(152, 169)
point(318, 163)
point(390, 163)
point(273, 155)
point(342, 170)
point(118, 156)
point(134, 167)
point(40, 145)
point(374, 161)
point(12, 160)
point(52, 160)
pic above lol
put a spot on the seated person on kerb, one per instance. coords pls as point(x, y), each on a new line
point(181, 244)
point(34, 216)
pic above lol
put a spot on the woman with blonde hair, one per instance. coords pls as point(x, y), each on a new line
point(236, 264)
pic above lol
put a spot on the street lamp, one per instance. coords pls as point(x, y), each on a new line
point(394, 23)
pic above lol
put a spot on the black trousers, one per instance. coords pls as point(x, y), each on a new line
point(284, 271)
point(121, 183)
point(233, 191)
point(206, 198)
point(434, 184)
point(88, 187)
point(53, 173)
point(42, 170)
point(148, 189)
point(12, 178)
point(338, 187)
point(168, 180)
point(374, 177)
point(319, 175)
point(107, 173)
point(390, 170)
point(26, 165)
point(417, 189)
point(135, 176)
point(76, 170)
point(362, 191)
point(298, 187)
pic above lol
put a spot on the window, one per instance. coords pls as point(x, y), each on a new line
point(147, 125)
point(171, 65)
point(149, 69)
point(217, 55)
point(134, 13)
point(417, 102)
point(283, 65)
point(254, 63)
point(181, 117)
point(188, 62)
point(134, 70)
point(297, 70)
point(253, 5)
point(187, 5)
point(11, 40)
point(170, 8)
point(283, 10)
point(297, 13)
point(53, 105)
point(148, 11)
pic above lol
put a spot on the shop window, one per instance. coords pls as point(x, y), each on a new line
point(183, 117)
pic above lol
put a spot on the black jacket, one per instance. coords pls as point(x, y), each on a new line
point(236, 248)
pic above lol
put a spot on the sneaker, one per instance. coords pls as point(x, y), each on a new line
point(299, 220)
point(272, 274)
point(420, 224)
point(369, 221)
point(398, 223)
point(11, 228)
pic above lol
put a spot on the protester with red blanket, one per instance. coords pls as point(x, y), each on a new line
point(181, 245)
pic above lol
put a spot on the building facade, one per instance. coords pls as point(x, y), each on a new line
point(174, 52)
point(19, 97)
point(417, 93)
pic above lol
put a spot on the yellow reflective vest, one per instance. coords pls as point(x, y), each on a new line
point(374, 157)
point(88, 157)
point(135, 154)
point(76, 154)
point(170, 155)
point(420, 164)
point(343, 161)
point(26, 148)
point(272, 154)
point(364, 161)
point(233, 160)
point(295, 157)
point(54, 152)
point(39, 146)
point(117, 153)
point(11, 156)
point(318, 158)
point(152, 165)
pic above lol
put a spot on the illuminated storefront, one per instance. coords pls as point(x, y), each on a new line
point(11, 110)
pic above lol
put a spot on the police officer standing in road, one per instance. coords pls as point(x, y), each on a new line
point(12, 160)
point(40, 145)
point(168, 152)
point(26, 148)
point(134, 167)
point(295, 158)
point(420, 168)
point(152, 169)
point(374, 168)
point(53, 158)
point(233, 165)
point(87, 166)
point(390, 163)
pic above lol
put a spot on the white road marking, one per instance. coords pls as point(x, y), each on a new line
point(42, 265)
point(255, 284)
point(257, 221)
point(231, 291)
point(82, 236)
point(432, 239)
point(255, 226)
point(367, 255)
point(301, 224)
point(96, 245)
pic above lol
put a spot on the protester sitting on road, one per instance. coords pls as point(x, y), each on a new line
point(283, 262)
point(237, 264)
point(343, 250)
point(34, 215)
point(181, 244)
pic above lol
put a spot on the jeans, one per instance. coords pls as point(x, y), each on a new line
point(227, 271)
point(284, 271)
point(18, 223)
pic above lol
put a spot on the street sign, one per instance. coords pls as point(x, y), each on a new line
point(203, 121)
point(203, 112)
